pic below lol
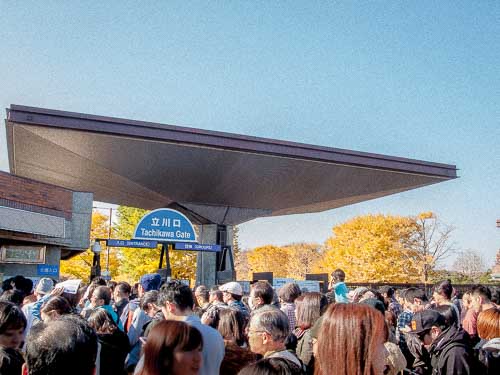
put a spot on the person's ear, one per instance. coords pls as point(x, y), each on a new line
point(24, 369)
point(266, 338)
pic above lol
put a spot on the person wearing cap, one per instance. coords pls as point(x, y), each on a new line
point(448, 345)
point(43, 287)
point(232, 293)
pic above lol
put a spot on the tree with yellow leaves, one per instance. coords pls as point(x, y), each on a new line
point(79, 265)
point(293, 260)
point(373, 248)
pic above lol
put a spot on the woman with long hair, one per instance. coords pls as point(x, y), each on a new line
point(54, 307)
point(174, 348)
point(308, 309)
point(351, 341)
point(232, 328)
point(114, 342)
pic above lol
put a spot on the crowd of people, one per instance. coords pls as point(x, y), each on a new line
point(163, 327)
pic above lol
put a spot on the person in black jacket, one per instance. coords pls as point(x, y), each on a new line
point(449, 346)
point(114, 343)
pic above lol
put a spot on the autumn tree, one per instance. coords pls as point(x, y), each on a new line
point(294, 260)
point(431, 243)
point(79, 265)
point(137, 262)
point(301, 258)
point(269, 259)
point(373, 248)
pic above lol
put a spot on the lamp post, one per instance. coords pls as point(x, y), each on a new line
point(96, 261)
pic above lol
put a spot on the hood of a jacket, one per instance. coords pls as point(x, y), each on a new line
point(450, 336)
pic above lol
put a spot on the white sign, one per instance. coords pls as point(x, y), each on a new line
point(308, 285)
point(70, 286)
point(278, 282)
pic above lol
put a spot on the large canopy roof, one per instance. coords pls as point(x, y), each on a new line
point(213, 177)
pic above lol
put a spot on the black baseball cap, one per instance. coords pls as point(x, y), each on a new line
point(425, 320)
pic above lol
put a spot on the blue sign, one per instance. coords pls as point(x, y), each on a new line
point(165, 225)
point(51, 270)
point(132, 243)
point(197, 247)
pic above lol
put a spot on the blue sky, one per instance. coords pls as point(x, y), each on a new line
point(411, 79)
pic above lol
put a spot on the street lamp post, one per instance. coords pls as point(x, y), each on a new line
point(96, 261)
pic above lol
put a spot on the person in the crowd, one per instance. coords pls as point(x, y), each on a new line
point(67, 345)
point(481, 298)
point(202, 296)
point(442, 295)
point(449, 314)
point(488, 349)
point(150, 305)
point(14, 296)
point(272, 366)
point(114, 343)
point(134, 318)
point(449, 345)
point(469, 315)
point(231, 295)
point(261, 294)
point(177, 302)
point(309, 307)
point(267, 333)
point(416, 355)
point(54, 307)
point(101, 299)
point(174, 348)
point(287, 294)
point(43, 287)
point(351, 341)
point(85, 304)
point(12, 326)
point(338, 286)
point(232, 328)
point(121, 295)
point(23, 284)
point(392, 304)
point(211, 315)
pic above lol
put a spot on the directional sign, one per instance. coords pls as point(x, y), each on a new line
point(197, 247)
point(132, 243)
point(165, 225)
point(48, 270)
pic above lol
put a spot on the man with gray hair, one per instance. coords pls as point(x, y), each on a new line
point(267, 333)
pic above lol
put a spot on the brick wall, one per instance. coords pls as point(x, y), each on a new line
point(31, 195)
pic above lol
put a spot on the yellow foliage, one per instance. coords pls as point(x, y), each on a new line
point(294, 260)
point(373, 248)
point(79, 265)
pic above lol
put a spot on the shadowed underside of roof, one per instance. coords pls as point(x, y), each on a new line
point(212, 177)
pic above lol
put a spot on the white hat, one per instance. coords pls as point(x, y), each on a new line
point(44, 286)
point(232, 287)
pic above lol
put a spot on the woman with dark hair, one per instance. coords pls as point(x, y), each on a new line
point(174, 348)
point(12, 326)
point(232, 327)
point(237, 354)
point(308, 310)
point(114, 342)
point(488, 349)
point(351, 341)
point(54, 307)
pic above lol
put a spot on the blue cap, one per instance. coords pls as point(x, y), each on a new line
point(150, 281)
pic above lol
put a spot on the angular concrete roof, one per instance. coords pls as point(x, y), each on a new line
point(213, 177)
